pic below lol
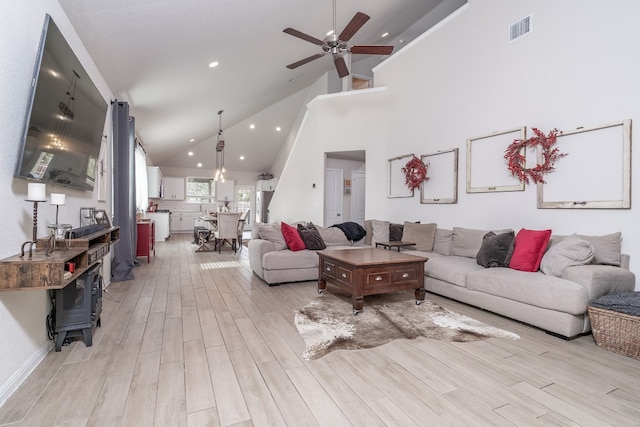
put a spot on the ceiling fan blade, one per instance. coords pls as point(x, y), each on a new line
point(341, 67)
point(303, 36)
point(371, 50)
point(305, 60)
point(358, 20)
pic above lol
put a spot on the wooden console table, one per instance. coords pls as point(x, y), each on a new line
point(48, 272)
point(370, 271)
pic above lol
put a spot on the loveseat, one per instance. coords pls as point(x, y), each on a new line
point(555, 301)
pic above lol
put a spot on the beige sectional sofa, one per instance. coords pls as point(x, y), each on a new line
point(555, 303)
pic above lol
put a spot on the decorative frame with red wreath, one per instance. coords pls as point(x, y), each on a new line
point(415, 173)
point(516, 160)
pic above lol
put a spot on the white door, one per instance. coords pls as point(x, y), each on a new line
point(357, 196)
point(332, 197)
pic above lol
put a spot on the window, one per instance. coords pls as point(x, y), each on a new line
point(201, 190)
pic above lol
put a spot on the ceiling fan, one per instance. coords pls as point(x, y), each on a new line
point(337, 45)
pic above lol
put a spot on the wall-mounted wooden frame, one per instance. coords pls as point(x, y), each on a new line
point(442, 186)
point(397, 186)
point(596, 173)
point(487, 170)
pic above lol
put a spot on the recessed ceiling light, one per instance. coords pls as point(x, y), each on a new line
point(190, 153)
point(192, 140)
point(385, 34)
point(278, 129)
point(199, 165)
point(252, 126)
point(241, 157)
point(213, 64)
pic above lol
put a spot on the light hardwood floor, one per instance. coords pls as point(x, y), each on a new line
point(198, 340)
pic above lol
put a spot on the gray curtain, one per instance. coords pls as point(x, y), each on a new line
point(124, 192)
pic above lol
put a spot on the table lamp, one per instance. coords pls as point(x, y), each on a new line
point(36, 192)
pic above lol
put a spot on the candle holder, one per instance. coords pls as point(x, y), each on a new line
point(36, 192)
point(58, 231)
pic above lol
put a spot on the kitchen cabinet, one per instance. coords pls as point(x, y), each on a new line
point(182, 222)
point(145, 246)
point(162, 225)
point(267, 184)
point(173, 187)
point(154, 181)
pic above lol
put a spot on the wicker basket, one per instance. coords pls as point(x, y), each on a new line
point(614, 331)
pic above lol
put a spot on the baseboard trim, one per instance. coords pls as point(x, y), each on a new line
point(8, 388)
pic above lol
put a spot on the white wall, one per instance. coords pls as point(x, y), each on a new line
point(463, 79)
point(23, 313)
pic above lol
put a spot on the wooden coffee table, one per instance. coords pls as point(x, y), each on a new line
point(370, 271)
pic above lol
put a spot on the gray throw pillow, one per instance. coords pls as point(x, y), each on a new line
point(496, 249)
point(311, 237)
point(395, 232)
point(569, 251)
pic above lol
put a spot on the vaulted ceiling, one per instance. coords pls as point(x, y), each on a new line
point(155, 54)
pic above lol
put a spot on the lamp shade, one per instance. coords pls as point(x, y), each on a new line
point(58, 198)
point(36, 192)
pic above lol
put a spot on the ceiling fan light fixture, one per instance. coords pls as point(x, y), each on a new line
point(338, 45)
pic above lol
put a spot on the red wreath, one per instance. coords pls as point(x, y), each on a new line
point(515, 156)
point(415, 172)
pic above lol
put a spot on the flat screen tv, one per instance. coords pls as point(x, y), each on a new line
point(65, 118)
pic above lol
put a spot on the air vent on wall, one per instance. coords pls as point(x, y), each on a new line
point(520, 28)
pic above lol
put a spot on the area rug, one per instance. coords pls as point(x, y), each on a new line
point(327, 323)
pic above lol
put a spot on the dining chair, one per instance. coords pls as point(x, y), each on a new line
point(227, 230)
point(241, 223)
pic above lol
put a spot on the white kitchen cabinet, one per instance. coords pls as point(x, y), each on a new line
point(162, 224)
point(182, 222)
point(154, 180)
point(267, 184)
point(173, 187)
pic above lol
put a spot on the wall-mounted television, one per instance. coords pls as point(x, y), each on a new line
point(65, 117)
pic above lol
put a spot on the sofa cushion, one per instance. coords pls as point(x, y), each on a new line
point(333, 236)
point(288, 260)
point(311, 237)
point(466, 241)
point(570, 251)
point(368, 227)
point(496, 249)
point(380, 231)
point(451, 269)
point(606, 248)
point(528, 249)
point(272, 233)
point(531, 288)
point(422, 235)
point(442, 241)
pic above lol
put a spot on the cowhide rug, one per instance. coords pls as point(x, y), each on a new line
point(327, 323)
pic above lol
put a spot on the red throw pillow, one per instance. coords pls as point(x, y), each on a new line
point(292, 237)
point(529, 248)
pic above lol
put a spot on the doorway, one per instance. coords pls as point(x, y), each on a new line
point(332, 197)
point(344, 191)
point(244, 203)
